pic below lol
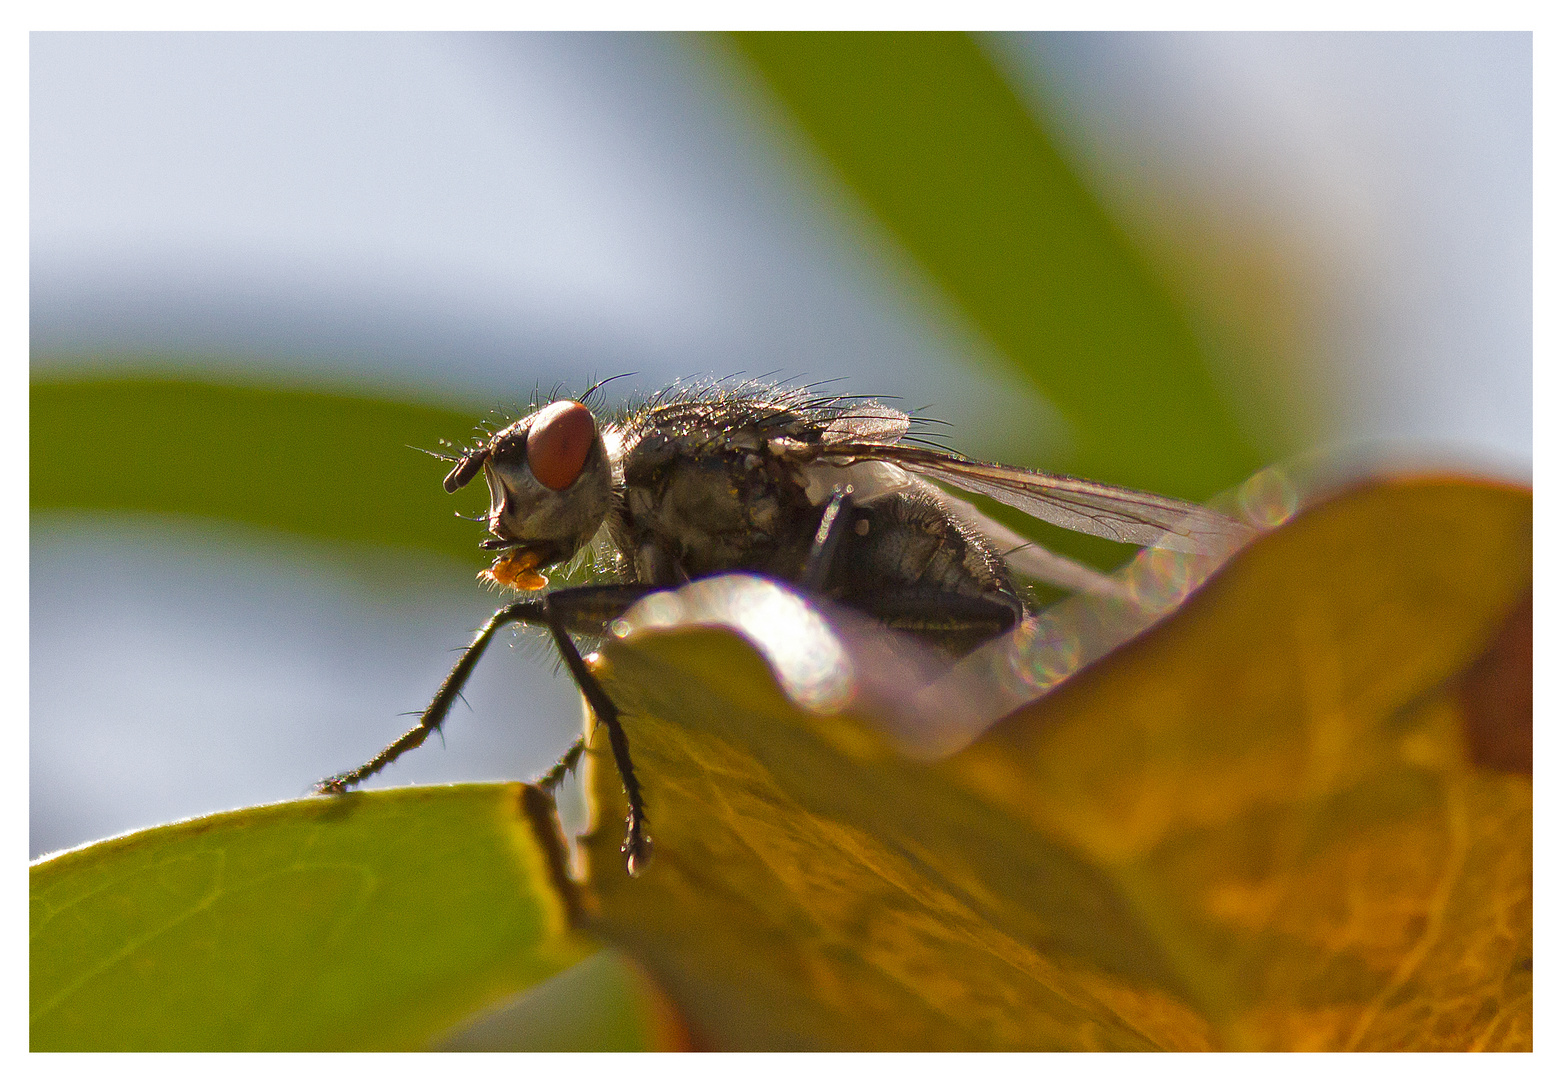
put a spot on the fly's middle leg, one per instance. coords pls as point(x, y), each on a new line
point(582, 610)
point(560, 607)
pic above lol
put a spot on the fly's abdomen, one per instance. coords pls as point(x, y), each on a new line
point(906, 542)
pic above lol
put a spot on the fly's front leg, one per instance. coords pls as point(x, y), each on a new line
point(444, 697)
point(585, 610)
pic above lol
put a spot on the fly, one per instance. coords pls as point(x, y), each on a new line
point(832, 495)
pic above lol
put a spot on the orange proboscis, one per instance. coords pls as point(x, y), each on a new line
point(515, 570)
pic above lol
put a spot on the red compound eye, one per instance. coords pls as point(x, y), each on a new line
point(558, 441)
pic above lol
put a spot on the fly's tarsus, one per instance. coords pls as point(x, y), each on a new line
point(637, 849)
point(565, 765)
point(637, 842)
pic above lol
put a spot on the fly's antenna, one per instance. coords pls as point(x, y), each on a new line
point(469, 466)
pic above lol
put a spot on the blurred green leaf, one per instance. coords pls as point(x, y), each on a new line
point(927, 132)
point(601, 1005)
point(315, 464)
point(375, 921)
point(1255, 827)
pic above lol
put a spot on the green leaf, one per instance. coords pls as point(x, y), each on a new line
point(929, 135)
point(376, 920)
point(320, 465)
point(1255, 827)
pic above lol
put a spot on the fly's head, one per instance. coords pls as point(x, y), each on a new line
point(550, 484)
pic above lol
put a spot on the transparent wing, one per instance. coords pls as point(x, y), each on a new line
point(1121, 514)
point(1029, 559)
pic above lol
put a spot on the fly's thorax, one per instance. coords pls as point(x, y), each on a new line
point(695, 505)
point(550, 482)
